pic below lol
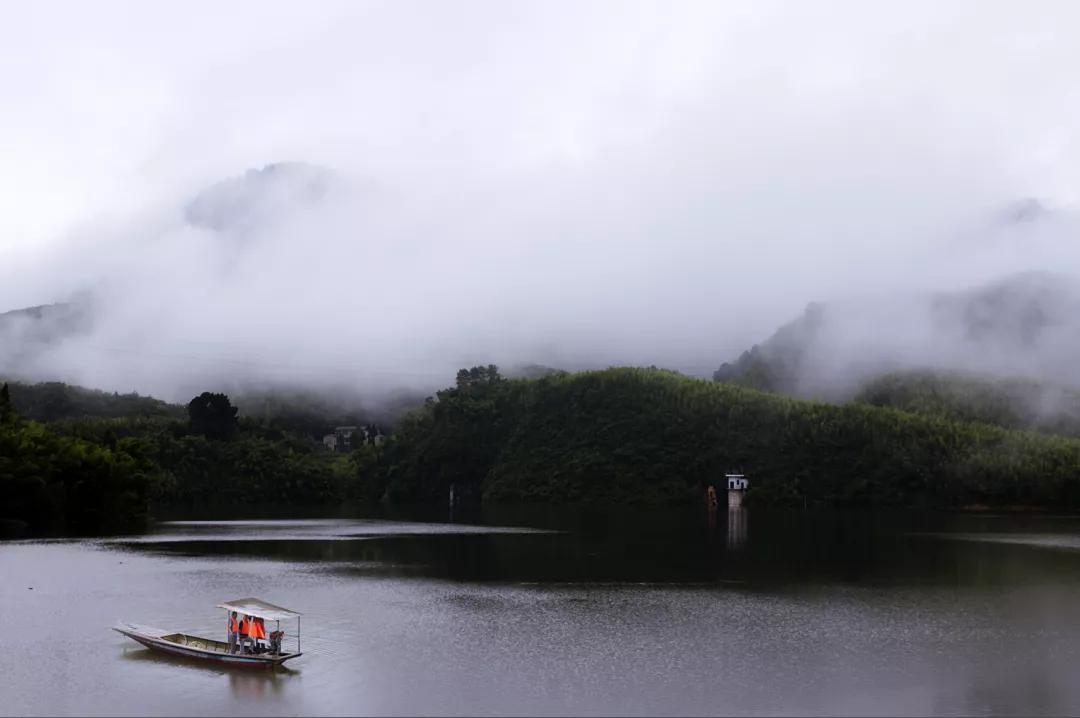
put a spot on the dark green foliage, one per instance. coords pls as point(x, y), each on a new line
point(618, 436)
point(69, 484)
point(652, 436)
point(7, 411)
point(256, 465)
point(300, 412)
point(53, 401)
point(247, 470)
point(92, 473)
point(212, 415)
point(478, 376)
point(451, 440)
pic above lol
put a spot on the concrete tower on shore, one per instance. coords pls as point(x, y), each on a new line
point(736, 487)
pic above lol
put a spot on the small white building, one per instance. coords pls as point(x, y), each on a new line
point(330, 442)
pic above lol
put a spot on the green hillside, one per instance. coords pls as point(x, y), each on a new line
point(91, 468)
point(1011, 403)
point(618, 436)
point(651, 436)
point(67, 483)
point(54, 400)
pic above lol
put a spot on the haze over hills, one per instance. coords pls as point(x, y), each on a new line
point(240, 215)
point(263, 281)
point(1025, 325)
point(258, 197)
point(659, 188)
point(141, 317)
point(1020, 326)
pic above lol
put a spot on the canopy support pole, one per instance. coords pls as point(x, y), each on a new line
point(297, 634)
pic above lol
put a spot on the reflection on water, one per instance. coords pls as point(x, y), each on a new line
point(257, 685)
point(737, 520)
point(549, 611)
point(245, 684)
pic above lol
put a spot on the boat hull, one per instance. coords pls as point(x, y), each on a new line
point(203, 649)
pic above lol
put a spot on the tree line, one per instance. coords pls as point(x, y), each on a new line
point(616, 436)
point(629, 435)
point(92, 473)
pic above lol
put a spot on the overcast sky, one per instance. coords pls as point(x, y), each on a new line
point(592, 182)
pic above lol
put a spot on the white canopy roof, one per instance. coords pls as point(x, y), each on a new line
point(259, 608)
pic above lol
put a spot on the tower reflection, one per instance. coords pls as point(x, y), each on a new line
point(737, 526)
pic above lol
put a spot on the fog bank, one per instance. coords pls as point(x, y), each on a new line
point(570, 184)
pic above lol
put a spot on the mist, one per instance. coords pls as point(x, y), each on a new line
point(576, 185)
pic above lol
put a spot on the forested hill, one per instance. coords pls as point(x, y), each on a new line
point(309, 413)
point(53, 400)
point(1011, 403)
point(78, 485)
point(79, 460)
point(617, 436)
point(649, 436)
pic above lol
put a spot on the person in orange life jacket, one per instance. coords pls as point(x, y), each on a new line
point(245, 633)
point(234, 632)
point(257, 631)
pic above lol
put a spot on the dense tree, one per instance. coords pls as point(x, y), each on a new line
point(644, 435)
point(1013, 403)
point(614, 436)
point(92, 473)
point(64, 483)
point(7, 412)
point(478, 377)
point(212, 415)
point(54, 401)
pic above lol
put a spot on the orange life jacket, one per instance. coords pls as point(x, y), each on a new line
point(233, 628)
point(257, 629)
point(245, 626)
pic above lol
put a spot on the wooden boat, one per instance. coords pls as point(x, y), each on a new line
point(183, 644)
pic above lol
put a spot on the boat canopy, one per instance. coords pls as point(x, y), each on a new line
point(259, 608)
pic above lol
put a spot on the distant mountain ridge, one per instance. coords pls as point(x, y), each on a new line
point(254, 198)
point(235, 207)
point(25, 333)
point(1026, 325)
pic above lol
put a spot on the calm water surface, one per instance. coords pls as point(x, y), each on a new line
point(525, 612)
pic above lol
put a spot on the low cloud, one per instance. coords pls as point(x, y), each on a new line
point(574, 185)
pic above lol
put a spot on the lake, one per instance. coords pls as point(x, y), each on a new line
point(545, 612)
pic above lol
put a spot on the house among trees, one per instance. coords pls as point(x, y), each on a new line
point(373, 435)
point(346, 438)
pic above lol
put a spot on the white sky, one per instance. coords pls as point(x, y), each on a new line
point(667, 179)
